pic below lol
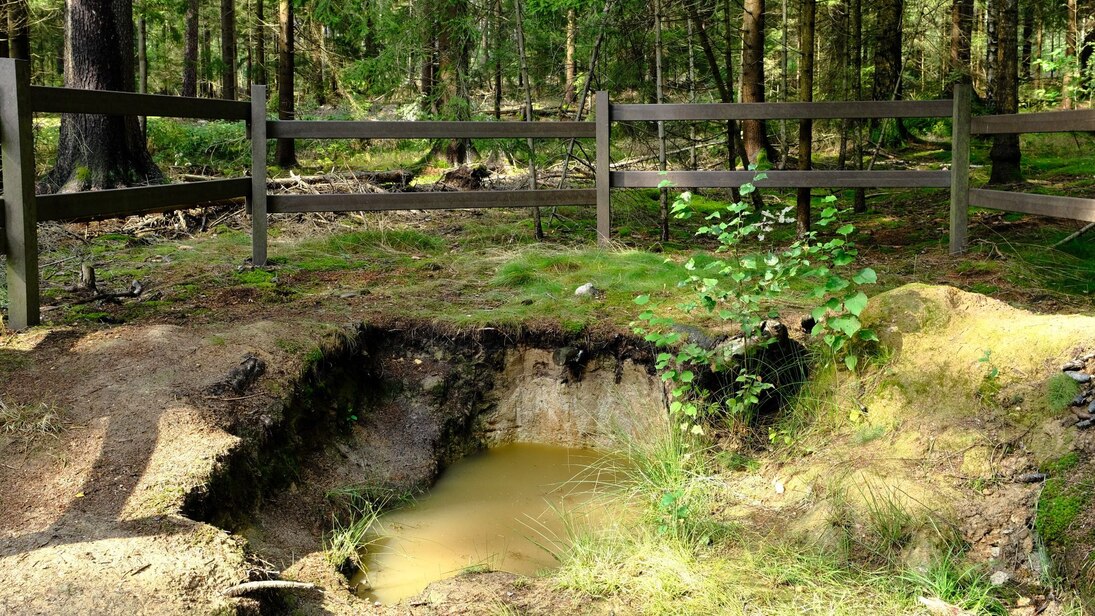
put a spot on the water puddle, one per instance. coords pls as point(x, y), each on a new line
point(497, 510)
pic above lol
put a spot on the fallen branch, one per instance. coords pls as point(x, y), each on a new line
point(247, 587)
point(135, 290)
point(1075, 235)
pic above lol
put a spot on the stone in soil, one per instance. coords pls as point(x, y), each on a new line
point(1079, 377)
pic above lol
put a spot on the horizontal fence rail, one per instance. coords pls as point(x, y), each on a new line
point(784, 179)
point(1053, 206)
point(382, 202)
point(324, 129)
point(1082, 120)
point(106, 102)
point(782, 111)
point(97, 204)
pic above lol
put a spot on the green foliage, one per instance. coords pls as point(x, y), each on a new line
point(210, 148)
point(1063, 464)
point(743, 289)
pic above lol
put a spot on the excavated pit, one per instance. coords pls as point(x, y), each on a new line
point(382, 413)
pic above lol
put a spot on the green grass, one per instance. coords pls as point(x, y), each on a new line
point(350, 535)
point(1061, 389)
point(958, 583)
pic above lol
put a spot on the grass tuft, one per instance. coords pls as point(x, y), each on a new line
point(28, 422)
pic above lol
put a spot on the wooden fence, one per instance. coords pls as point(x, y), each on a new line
point(22, 209)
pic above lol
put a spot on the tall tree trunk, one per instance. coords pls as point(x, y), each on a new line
point(1072, 35)
point(286, 152)
point(692, 161)
point(1028, 41)
point(961, 36)
point(453, 51)
point(190, 55)
point(755, 134)
point(992, 45)
point(1039, 39)
point(320, 60)
point(497, 58)
point(859, 203)
point(529, 117)
point(663, 194)
point(206, 63)
point(259, 65)
point(142, 66)
point(1005, 153)
point(100, 151)
point(807, 15)
point(19, 29)
point(571, 68)
point(228, 49)
point(887, 51)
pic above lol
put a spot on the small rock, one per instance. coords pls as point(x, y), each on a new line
point(999, 578)
point(348, 295)
point(1022, 602)
point(1085, 424)
point(777, 485)
point(1079, 377)
point(1031, 477)
point(588, 290)
point(1091, 407)
point(1079, 400)
point(1072, 366)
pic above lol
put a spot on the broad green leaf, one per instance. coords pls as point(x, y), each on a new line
point(856, 303)
point(866, 276)
point(851, 361)
point(642, 300)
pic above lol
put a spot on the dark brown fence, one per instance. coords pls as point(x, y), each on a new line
point(23, 209)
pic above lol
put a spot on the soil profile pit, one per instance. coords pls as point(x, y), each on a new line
point(386, 410)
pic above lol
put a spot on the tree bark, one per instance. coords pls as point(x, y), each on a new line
point(497, 53)
point(286, 152)
point(142, 66)
point(453, 52)
point(1028, 41)
point(228, 49)
point(570, 69)
point(961, 35)
point(887, 52)
point(859, 203)
point(1072, 35)
point(206, 63)
point(19, 29)
point(529, 117)
point(1005, 153)
point(259, 65)
point(663, 194)
point(807, 15)
point(99, 151)
point(754, 132)
point(190, 54)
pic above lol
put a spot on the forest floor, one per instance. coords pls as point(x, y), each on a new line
point(109, 421)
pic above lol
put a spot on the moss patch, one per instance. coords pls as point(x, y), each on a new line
point(1058, 507)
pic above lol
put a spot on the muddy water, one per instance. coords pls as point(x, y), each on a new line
point(496, 510)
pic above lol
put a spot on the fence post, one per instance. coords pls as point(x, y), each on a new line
point(604, 175)
point(20, 209)
point(960, 168)
point(258, 175)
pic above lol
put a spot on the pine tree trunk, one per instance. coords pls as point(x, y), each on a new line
point(228, 49)
point(206, 63)
point(99, 151)
point(497, 52)
point(286, 152)
point(1005, 153)
point(1028, 41)
point(190, 55)
point(570, 69)
point(859, 203)
point(961, 35)
point(453, 52)
point(18, 29)
point(258, 67)
point(142, 66)
point(663, 194)
point(529, 117)
point(1072, 35)
point(754, 132)
point(807, 15)
point(887, 52)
